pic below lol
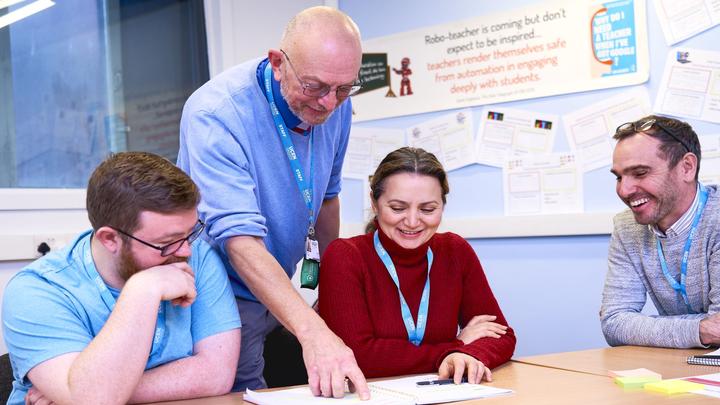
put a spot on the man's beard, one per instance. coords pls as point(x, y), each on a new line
point(284, 93)
point(128, 266)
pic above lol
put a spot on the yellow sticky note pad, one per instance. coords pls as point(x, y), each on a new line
point(637, 372)
point(635, 382)
point(673, 386)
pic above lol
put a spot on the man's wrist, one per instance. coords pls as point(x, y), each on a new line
point(139, 287)
point(705, 337)
point(309, 328)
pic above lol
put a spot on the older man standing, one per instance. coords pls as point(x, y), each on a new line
point(667, 243)
point(265, 142)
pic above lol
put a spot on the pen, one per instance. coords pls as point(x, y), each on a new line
point(440, 382)
point(708, 356)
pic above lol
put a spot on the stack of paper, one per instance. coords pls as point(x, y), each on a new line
point(710, 382)
point(303, 396)
point(434, 394)
point(400, 391)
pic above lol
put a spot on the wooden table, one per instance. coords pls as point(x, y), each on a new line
point(539, 385)
point(550, 385)
point(670, 363)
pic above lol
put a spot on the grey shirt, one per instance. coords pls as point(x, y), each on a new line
point(634, 271)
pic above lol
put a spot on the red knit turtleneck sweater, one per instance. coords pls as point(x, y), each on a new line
point(360, 303)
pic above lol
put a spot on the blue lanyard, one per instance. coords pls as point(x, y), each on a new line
point(304, 184)
point(159, 337)
point(680, 287)
point(415, 332)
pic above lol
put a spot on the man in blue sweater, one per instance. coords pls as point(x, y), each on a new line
point(666, 245)
point(265, 143)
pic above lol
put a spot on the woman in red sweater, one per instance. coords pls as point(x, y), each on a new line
point(412, 328)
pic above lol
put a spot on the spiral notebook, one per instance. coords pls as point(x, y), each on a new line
point(708, 359)
point(399, 391)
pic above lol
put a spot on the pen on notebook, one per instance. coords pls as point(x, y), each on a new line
point(440, 382)
point(708, 356)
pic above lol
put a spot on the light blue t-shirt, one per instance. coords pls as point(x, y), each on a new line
point(53, 307)
point(230, 147)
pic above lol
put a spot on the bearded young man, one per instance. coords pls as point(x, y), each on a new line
point(134, 310)
point(666, 245)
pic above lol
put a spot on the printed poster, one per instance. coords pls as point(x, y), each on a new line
point(548, 48)
point(690, 86)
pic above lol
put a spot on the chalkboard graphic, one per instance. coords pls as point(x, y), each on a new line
point(375, 73)
point(405, 72)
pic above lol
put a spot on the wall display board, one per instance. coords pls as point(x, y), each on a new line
point(548, 48)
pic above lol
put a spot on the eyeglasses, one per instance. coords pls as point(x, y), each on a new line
point(645, 124)
point(318, 90)
point(171, 247)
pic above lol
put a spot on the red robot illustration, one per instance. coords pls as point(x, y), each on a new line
point(405, 72)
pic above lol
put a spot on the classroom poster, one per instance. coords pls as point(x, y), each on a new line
point(681, 20)
point(506, 133)
point(690, 86)
point(550, 48)
point(590, 129)
point(448, 137)
point(710, 163)
point(367, 147)
point(542, 184)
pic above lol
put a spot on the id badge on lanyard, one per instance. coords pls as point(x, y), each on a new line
point(310, 271)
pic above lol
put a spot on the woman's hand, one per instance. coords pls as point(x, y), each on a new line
point(481, 326)
point(455, 365)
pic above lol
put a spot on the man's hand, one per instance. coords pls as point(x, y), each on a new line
point(710, 330)
point(481, 326)
point(173, 282)
point(456, 364)
point(35, 397)
point(328, 361)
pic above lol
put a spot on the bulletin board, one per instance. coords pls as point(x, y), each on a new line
point(620, 60)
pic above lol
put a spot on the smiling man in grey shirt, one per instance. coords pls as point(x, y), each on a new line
point(671, 216)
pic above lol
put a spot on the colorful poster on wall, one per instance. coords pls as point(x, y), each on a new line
point(550, 48)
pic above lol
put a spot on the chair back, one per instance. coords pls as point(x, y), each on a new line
point(6, 378)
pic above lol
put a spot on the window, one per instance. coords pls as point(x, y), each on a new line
point(86, 77)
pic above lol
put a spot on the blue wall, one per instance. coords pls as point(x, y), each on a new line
point(549, 288)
